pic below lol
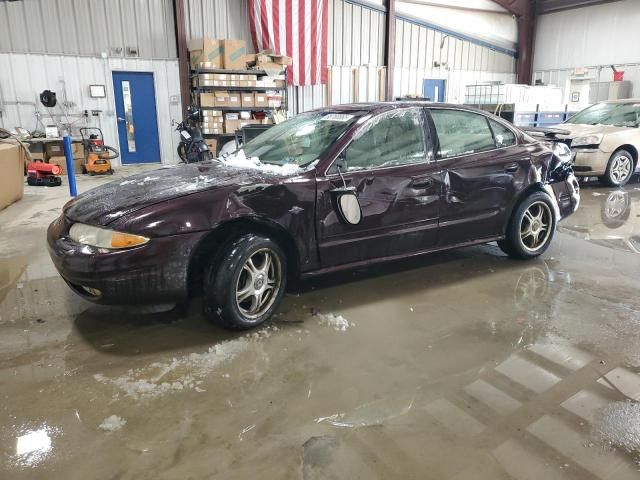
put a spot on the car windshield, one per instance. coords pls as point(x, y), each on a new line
point(300, 140)
point(617, 114)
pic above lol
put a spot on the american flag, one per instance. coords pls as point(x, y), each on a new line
point(296, 28)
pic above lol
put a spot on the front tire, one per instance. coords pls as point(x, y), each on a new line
point(531, 228)
point(247, 284)
point(619, 169)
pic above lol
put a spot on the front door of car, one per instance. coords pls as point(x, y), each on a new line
point(389, 166)
point(483, 169)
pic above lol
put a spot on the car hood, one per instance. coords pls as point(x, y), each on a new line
point(104, 204)
point(579, 130)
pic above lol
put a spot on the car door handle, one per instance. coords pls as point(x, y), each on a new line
point(422, 183)
point(511, 167)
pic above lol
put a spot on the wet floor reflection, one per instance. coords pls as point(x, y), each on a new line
point(608, 217)
point(464, 365)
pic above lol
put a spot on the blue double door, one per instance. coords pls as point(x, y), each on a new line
point(137, 118)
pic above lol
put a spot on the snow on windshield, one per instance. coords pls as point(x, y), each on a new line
point(240, 160)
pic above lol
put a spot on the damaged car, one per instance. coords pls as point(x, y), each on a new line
point(605, 141)
point(331, 189)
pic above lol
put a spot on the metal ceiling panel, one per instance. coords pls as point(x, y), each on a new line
point(548, 6)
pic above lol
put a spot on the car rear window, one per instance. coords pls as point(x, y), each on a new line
point(461, 133)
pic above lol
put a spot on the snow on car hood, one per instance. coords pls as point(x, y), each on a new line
point(106, 203)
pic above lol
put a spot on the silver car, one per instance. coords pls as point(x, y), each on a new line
point(605, 140)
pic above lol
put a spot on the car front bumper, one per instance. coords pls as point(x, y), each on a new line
point(156, 272)
point(589, 162)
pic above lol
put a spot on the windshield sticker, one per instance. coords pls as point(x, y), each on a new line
point(336, 117)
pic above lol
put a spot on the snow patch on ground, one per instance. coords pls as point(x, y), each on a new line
point(337, 322)
point(180, 373)
point(112, 423)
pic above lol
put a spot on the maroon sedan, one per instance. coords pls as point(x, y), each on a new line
point(330, 189)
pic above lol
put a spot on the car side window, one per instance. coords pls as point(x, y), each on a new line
point(502, 135)
point(461, 133)
point(390, 139)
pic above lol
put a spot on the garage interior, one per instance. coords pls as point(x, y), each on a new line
point(457, 365)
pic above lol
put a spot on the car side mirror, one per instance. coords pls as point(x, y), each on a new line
point(348, 205)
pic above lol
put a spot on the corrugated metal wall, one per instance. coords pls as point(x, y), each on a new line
point(89, 27)
point(218, 19)
point(589, 36)
point(423, 52)
point(356, 34)
point(74, 33)
point(358, 41)
point(27, 74)
point(566, 40)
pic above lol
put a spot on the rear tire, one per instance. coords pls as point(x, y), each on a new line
point(245, 285)
point(619, 169)
point(531, 227)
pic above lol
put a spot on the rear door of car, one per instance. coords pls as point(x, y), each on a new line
point(483, 168)
point(390, 164)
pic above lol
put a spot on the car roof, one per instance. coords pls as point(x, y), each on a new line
point(375, 107)
point(623, 100)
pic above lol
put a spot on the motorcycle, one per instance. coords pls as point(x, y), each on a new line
point(192, 147)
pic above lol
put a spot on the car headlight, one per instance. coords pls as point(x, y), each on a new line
point(595, 139)
point(561, 151)
point(103, 237)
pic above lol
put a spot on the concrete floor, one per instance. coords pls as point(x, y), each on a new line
point(464, 365)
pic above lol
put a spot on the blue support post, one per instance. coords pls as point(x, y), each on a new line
point(70, 173)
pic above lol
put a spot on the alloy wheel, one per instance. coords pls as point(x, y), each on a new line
point(617, 203)
point(621, 168)
point(535, 226)
point(258, 283)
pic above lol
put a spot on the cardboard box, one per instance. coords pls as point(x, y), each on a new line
point(12, 179)
point(231, 116)
point(212, 120)
point(78, 162)
point(275, 101)
point(281, 59)
point(212, 143)
point(260, 100)
point(230, 126)
point(234, 52)
point(207, 100)
point(211, 113)
point(234, 99)
point(221, 99)
point(246, 99)
point(244, 115)
point(54, 149)
point(211, 131)
point(220, 76)
point(206, 50)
